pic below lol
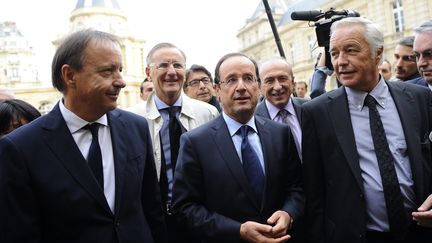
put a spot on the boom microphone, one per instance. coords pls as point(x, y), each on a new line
point(311, 15)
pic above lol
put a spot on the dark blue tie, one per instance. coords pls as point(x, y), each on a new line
point(94, 158)
point(251, 164)
point(175, 132)
point(398, 221)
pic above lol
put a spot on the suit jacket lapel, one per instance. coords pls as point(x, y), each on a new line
point(223, 142)
point(297, 108)
point(340, 115)
point(405, 102)
point(118, 129)
point(58, 137)
point(262, 110)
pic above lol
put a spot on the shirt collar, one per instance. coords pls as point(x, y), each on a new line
point(380, 93)
point(233, 125)
point(162, 105)
point(75, 122)
point(273, 110)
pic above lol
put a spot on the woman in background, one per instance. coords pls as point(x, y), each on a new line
point(15, 113)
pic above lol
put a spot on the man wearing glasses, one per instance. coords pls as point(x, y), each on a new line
point(169, 113)
point(199, 85)
point(423, 53)
point(238, 176)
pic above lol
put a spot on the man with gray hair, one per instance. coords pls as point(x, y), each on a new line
point(366, 166)
point(423, 53)
point(170, 113)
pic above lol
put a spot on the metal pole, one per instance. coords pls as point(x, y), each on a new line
point(274, 29)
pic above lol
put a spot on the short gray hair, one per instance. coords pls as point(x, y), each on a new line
point(426, 27)
point(373, 35)
point(161, 46)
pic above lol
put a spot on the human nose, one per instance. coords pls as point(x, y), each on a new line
point(399, 62)
point(277, 85)
point(241, 84)
point(340, 60)
point(170, 69)
point(201, 84)
point(421, 61)
point(119, 81)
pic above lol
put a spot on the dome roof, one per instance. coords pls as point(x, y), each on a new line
point(97, 3)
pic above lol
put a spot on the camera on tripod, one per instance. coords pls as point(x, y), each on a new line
point(323, 26)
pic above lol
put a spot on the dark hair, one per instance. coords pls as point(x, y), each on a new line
point(302, 82)
point(142, 85)
point(14, 109)
point(407, 41)
point(72, 53)
point(161, 46)
point(196, 68)
point(229, 55)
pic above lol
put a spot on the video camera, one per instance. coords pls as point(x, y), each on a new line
point(323, 26)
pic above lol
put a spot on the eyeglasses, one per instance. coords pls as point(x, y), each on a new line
point(166, 65)
point(407, 58)
point(281, 79)
point(248, 80)
point(195, 82)
point(427, 55)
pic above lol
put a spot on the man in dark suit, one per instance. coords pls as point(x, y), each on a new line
point(277, 86)
point(84, 172)
point(418, 81)
point(423, 52)
point(367, 163)
point(246, 187)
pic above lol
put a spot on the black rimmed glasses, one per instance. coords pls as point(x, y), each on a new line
point(427, 55)
point(196, 82)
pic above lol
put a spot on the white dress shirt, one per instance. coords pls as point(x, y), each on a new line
point(83, 139)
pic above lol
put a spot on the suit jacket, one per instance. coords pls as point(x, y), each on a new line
point(335, 204)
point(418, 81)
point(193, 114)
point(297, 102)
point(49, 193)
point(211, 193)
